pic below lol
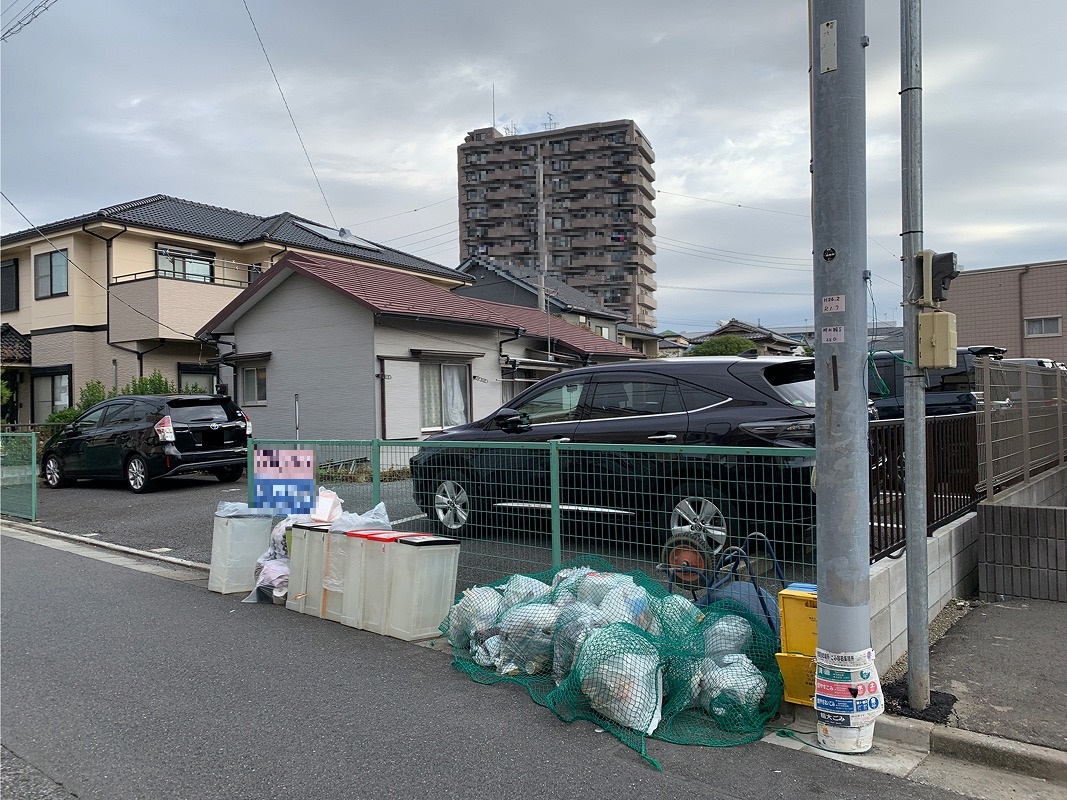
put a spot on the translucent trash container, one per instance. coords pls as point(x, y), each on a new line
point(422, 587)
point(377, 577)
point(237, 542)
point(343, 580)
point(307, 559)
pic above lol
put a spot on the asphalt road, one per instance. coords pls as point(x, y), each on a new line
point(124, 685)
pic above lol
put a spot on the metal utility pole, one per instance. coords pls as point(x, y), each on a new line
point(914, 378)
point(839, 231)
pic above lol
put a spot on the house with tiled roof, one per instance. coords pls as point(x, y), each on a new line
point(360, 351)
point(764, 340)
point(120, 293)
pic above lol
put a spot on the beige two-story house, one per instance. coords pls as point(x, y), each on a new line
point(120, 293)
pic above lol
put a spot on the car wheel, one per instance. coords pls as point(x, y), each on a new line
point(53, 472)
point(227, 474)
point(452, 505)
point(137, 475)
point(697, 512)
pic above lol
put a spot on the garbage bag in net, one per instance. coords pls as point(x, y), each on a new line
point(521, 588)
point(572, 626)
point(678, 616)
point(621, 674)
point(472, 619)
point(736, 686)
point(628, 603)
point(594, 587)
point(727, 635)
point(526, 638)
point(567, 579)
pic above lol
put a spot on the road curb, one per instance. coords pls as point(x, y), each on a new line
point(992, 751)
point(26, 527)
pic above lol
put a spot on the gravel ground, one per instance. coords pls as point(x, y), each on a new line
point(895, 679)
point(20, 781)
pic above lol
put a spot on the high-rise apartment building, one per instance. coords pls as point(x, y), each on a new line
point(596, 202)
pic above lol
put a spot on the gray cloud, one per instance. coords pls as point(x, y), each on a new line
point(119, 99)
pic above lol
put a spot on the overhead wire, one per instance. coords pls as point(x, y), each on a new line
point(290, 112)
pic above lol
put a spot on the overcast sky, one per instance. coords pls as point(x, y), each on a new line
point(109, 101)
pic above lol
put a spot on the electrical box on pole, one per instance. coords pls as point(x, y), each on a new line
point(936, 328)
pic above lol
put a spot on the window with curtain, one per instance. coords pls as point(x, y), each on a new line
point(253, 385)
point(50, 274)
point(50, 393)
point(444, 394)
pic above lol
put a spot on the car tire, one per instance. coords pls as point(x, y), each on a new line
point(452, 508)
point(54, 476)
point(136, 474)
point(696, 510)
point(228, 474)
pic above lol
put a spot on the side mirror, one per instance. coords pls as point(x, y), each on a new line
point(512, 421)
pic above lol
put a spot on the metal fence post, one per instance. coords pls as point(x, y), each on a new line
point(987, 417)
point(557, 539)
point(1024, 378)
point(376, 472)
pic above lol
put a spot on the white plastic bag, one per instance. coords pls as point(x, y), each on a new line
point(626, 687)
point(377, 519)
point(327, 506)
point(526, 638)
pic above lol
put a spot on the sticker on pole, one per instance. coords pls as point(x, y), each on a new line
point(833, 334)
point(847, 688)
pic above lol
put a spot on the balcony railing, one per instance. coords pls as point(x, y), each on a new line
point(225, 273)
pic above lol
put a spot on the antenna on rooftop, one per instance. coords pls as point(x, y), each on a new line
point(551, 124)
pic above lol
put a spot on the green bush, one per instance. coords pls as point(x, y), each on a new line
point(727, 345)
point(93, 392)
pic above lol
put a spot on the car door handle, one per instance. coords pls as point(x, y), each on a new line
point(662, 437)
point(563, 439)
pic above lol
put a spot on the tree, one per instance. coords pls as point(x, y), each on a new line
point(727, 345)
point(93, 392)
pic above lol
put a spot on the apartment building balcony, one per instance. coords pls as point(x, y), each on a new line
point(644, 241)
point(646, 281)
point(640, 182)
point(505, 193)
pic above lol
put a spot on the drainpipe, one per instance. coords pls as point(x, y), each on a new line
point(1022, 313)
point(107, 283)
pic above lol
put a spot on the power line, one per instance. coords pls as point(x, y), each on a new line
point(402, 213)
point(733, 291)
point(734, 261)
point(806, 260)
point(25, 19)
point(734, 205)
point(415, 233)
point(290, 112)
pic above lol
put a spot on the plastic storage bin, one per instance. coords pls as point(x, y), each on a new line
point(346, 565)
point(236, 545)
point(306, 563)
point(798, 674)
point(423, 586)
point(377, 577)
point(798, 607)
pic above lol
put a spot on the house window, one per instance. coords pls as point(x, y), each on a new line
point(1043, 326)
point(253, 385)
point(197, 378)
point(9, 285)
point(51, 392)
point(189, 265)
point(444, 391)
point(50, 274)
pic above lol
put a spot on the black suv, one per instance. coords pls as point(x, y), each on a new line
point(719, 400)
point(144, 437)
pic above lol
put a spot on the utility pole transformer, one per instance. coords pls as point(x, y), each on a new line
point(839, 233)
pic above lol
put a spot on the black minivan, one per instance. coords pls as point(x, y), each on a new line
point(656, 491)
point(140, 438)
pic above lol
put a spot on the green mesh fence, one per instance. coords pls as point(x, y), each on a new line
point(18, 475)
point(618, 650)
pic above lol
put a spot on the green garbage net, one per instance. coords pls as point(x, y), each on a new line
point(619, 650)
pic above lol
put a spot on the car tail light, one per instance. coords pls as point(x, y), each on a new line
point(248, 425)
point(783, 433)
point(165, 429)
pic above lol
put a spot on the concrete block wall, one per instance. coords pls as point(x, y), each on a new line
point(952, 571)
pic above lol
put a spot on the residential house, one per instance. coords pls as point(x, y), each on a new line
point(119, 293)
point(1020, 308)
point(359, 351)
point(764, 340)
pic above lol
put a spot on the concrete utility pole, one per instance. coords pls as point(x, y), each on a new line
point(839, 230)
point(914, 379)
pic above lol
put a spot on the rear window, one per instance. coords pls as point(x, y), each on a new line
point(793, 382)
point(199, 411)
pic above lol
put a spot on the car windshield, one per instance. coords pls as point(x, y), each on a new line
point(794, 382)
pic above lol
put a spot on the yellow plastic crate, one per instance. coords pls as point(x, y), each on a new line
point(798, 674)
point(799, 612)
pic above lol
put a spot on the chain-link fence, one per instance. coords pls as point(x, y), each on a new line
point(528, 507)
point(18, 475)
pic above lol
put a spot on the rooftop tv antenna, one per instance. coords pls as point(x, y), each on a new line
point(551, 124)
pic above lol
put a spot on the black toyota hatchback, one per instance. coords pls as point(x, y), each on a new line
point(140, 438)
point(735, 401)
